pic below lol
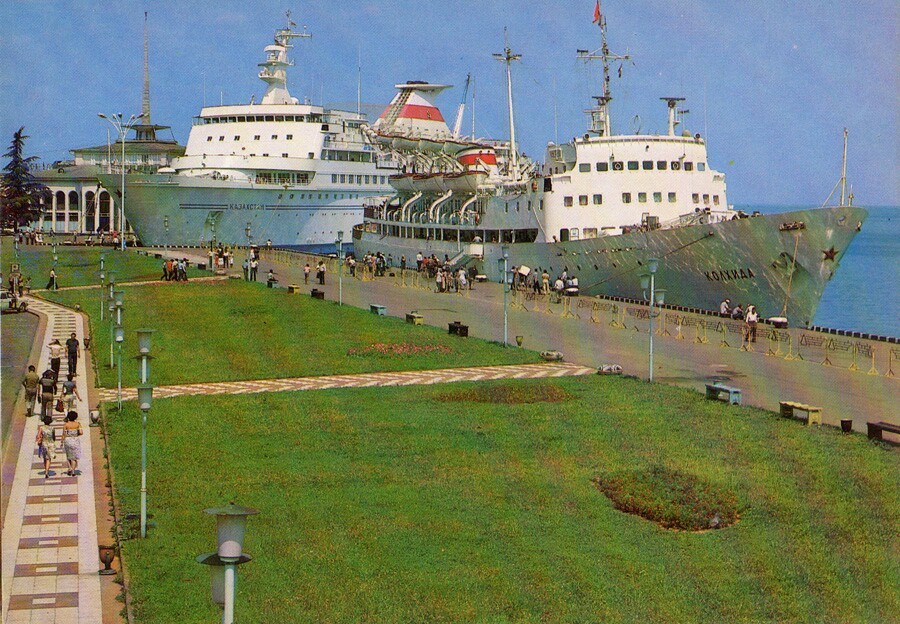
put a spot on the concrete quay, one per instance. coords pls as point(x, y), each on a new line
point(849, 378)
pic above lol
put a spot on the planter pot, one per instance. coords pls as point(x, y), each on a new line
point(519, 340)
point(846, 425)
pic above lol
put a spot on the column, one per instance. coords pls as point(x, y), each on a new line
point(96, 210)
point(53, 213)
point(66, 213)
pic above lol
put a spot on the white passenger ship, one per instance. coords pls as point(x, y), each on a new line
point(600, 208)
point(285, 171)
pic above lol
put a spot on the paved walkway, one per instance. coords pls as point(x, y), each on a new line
point(50, 556)
point(202, 278)
point(361, 380)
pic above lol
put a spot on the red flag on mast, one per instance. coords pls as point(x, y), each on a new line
point(597, 13)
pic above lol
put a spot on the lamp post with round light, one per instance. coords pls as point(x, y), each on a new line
point(503, 264)
point(102, 286)
point(657, 297)
point(122, 127)
point(166, 241)
point(111, 308)
point(145, 399)
point(247, 232)
point(120, 338)
point(231, 521)
point(340, 248)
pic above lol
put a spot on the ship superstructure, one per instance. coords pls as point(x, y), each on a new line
point(293, 172)
point(599, 207)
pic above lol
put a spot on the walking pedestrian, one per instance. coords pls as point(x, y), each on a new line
point(45, 439)
point(51, 283)
point(69, 392)
point(48, 391)
point(751, 318)
point(419, 260)
point(254, 267)
point(71, 444)
point(72, 346)
point(55, 357)
point(306, 270)
point(31, 382)
point(320, 272)
point(246, 267)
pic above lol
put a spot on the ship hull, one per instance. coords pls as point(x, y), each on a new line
point(749, 261)
point(200, 210)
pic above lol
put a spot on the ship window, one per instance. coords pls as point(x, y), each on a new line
point(626, 198)
point(209, 138)
point(274, 137)
point(334, 178)
point(284, 155)
point(701, 166)
point(256, 137)
point(237, 137)
point(563, 235)
point(602, 166)
point(584, 167)
point(383, 180)
point(232, 119)
point(647, 165)
point(290, 137)
point(705, 199)
point(642, 198)
point(367, 179)
point(716, 200)
point(618, 165)
point(265, 155)
point(672, 198)
point(582, 200)
point(598, 199)
point(662, 165)
point(688, 166)
point(567, 201)
point(242, 118)
point(541, 204)
point(270, 118)
point(632, 165)
point(676, 165)
point(343, 178)
point(589, 233)
point(221, 138)
point(695, 198)
point(573, 234)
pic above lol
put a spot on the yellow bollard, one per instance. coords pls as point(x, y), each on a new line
point(873, 370)
point(829, 346)
point(678, 328)
point(595, 312)
point(855, 350)
point(720, 328)
point(702, 338)
point(567, 309)
point(890, 371)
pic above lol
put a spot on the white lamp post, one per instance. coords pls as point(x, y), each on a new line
point(111, 303)
point(247, 232)
point(231, 521)
point(119, 331)
point(504, 261)
point(122, 127)
point(102, 286)
point(649, 279)
point(340, 246)
point(166, 242)
point(145, 400)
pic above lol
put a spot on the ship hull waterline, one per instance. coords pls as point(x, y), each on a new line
point(749, 261)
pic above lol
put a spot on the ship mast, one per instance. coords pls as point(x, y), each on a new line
point(508, 57)
point(599, 114)
point(844, 171)
point(273, 70)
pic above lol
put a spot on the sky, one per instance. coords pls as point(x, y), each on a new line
point(770, 84)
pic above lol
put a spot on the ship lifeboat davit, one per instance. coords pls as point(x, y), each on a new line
point(477, 157)
point(465, 182)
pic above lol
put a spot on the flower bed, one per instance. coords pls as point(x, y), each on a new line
point(672, 499)
point(398, 349)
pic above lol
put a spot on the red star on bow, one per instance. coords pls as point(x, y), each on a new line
point(830, 254)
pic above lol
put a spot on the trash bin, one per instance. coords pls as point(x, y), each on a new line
point(462, 331)
point(846, 425)
point(453, 328)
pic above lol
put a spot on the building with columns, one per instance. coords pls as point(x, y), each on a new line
point(78, 203)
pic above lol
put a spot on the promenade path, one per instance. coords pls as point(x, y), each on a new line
point(50, 555)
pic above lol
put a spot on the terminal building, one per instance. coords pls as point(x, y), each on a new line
point(78, 203)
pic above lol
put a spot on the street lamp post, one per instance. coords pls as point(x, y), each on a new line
point(166, 242)
point(111, 307)
point(231, 521)
point(649, 279)
point(120, 338)
point(340, 246)
point(102, 286)
point(247, 232)
point(505, 262)
point(145, 398)
point(122, 127)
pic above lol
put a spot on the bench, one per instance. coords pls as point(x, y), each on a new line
point(413, 318)
point(293, 288)
point(317, 294)
point(380, 310)
point(813, 414)
point(875, 429)
point(456, 328)
point(714, 391)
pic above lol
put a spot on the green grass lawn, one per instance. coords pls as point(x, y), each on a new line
point(77, 266)
point(223, 331)
point(414, 505)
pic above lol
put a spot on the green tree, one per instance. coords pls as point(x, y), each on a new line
point(20, 193)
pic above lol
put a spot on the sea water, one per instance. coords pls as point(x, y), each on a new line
point(863, 294)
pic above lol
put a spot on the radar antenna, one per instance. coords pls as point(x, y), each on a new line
point(599, 114)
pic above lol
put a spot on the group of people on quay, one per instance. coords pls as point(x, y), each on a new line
point(36, 236)
point(47, 389)
point(175, 270)
point(748, 314)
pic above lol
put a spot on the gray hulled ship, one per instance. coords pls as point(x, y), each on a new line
point(291, 172)
point(599, 207)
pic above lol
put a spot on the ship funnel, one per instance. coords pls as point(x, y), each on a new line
point(412, 112)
